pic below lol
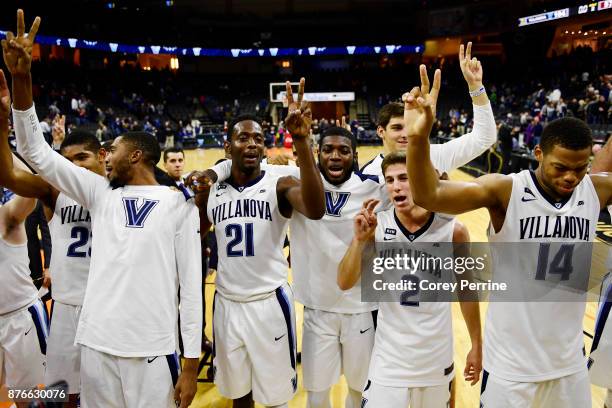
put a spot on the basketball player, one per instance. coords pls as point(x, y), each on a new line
point(127, 342)
point(254, 320)
point(600, 359)
point(24, 325)
point(533, 352)
point(69, 226)
point(419, 333)
point(393, 124)
point(174, 163)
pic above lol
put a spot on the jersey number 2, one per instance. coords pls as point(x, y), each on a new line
point(235, 232)
point(82, 234)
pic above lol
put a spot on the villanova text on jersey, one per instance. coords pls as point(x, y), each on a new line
point(74, 213)
point(560, 226)
point(242, 208)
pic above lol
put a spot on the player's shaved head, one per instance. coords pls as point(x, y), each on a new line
point(339, 131)
point(146, 143)
point(81, 137)
point(570, 133)
point(233, 130)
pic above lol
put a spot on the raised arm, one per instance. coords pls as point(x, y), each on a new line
point(79, 183)
point(189, 266)
point(460, 151)
point(306, 195)
point(13, 174)
point(452, 197)
point(362, 245)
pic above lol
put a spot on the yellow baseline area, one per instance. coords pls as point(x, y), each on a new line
point(466, 396)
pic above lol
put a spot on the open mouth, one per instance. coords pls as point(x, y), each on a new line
point(399, 199)
point(251, 158)
point(336, 171)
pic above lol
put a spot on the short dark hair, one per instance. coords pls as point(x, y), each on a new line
point(81, 137)
point(570, 133)
point(339, 131)
point(390, 110)
point(145, 142)
point(172, 150)
point(107, 145)
point(393, 158)
point(238, 119)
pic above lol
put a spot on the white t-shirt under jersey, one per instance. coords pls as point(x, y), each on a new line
point(145, 247)
point(413, 346)
point(16, 287)
point(457, 152)
point(533, 341)
point(250, 232)
point(70, 229)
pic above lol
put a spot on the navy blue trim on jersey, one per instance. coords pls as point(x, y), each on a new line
point(365, 177)
point(485, 378)
point(240, 188)
point(286, 308)
point(187, 193)
point(557, 204)
point(414, 235)
point(370, 162)
point(52, 306)
point(40, 330)
point(375, 318)
point(602, 317)
point(173, 365)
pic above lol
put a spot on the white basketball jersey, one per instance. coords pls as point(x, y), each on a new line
point(250, 232)
point(374, 166)
point(70, 230)
point(538, 341)
point(318, 246)
point(414, 343)
point(16, 287)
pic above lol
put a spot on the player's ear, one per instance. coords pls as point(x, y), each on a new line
point(136, 156)
point(380, 131)
point(101, 155)
point(227, 146)
point(538, 153)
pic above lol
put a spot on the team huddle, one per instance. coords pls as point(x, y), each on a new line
point(126, 263)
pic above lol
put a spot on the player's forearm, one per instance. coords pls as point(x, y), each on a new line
point(349, 270)
point(222, 170)
point(189, 266)
point(22, 91)
point(311, 184)
point(19, 208)
point(460, 151)
point(423, 178)
point(471, 316)
point(603, 159)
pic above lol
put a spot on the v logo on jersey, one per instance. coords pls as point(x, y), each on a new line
point(335, 202)
point(135, 215)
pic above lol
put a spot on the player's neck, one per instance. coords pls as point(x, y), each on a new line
point(551, 193)
point(241, 178)
point(413, 217)
point(142, 177)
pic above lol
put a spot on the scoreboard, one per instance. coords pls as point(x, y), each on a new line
point(586, 8)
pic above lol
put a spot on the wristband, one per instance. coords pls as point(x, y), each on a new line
point(478, 91)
